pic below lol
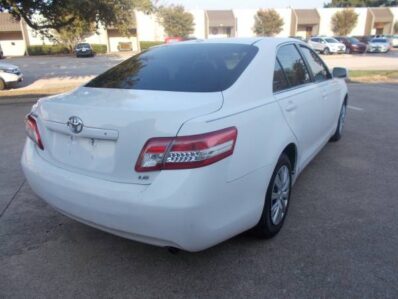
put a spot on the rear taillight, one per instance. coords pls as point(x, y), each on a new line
point(186, 151)
point(33, 131)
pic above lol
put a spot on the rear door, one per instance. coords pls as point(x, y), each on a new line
point(300, 100)
point(330, 101)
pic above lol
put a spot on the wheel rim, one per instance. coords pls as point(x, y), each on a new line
point(342, 118)
point(280, 195)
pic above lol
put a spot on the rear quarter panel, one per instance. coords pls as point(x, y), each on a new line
point(262, 135)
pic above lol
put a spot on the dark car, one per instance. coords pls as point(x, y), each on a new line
point(353, 45)
point(364, 38)
point(84, 50)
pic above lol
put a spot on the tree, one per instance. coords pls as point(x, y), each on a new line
point(44, 15)
point(267, 22)
point(396, 27)
point(176, 21)
point(361, 3)
point(344, 21)
point(72, 34)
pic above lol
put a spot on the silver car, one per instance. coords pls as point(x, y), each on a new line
point(327, 45)
point(379, 45)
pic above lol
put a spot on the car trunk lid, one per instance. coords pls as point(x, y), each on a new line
point(116, 123)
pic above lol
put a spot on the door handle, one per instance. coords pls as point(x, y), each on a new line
point(290, 106)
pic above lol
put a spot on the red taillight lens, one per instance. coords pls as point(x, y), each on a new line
point(187, 151)
point(33, 131)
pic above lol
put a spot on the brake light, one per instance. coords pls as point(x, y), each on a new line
point(186, 151)
point(33, 131)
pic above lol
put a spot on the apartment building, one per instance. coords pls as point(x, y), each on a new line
point(15, 36)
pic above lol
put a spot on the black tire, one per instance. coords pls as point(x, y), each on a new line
point(340, 124)
point(2, 84)
point(266, 228)
point(326, 51)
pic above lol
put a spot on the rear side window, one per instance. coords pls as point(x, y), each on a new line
point(280, 82)
point(186, 67)
point(293, 65)
point(318, 68)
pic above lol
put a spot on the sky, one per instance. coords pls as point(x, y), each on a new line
point(234, 4)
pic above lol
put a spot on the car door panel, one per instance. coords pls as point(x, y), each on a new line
point(301, 102)
point(301, 108)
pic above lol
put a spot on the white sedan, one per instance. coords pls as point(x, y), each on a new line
point(188, 144)
point(9, 75)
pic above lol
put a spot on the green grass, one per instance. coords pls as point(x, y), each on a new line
point(393, 74)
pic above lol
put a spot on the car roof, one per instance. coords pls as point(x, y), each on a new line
point(244, 41)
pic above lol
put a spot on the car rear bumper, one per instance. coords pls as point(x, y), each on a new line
point(358, 50)
point(337, 51)
point(9, 78)
point(187, 209)
point(378, 50)
point(84, 53)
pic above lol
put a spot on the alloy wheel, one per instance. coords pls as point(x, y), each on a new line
point(343, 113)
point(280, 195)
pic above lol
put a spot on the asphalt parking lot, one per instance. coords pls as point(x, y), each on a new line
point(340, 239)
point(39, 67)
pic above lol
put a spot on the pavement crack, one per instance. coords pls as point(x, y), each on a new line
point(12, 198)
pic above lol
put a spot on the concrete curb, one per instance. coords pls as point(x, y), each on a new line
point(21, 99)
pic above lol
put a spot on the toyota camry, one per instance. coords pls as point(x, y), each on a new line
point(188, 144)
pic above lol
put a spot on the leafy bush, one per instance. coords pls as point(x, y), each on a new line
point(147, 44)
point(344, 21)
point(267, 22)
point(47, 50)
point(99, 48)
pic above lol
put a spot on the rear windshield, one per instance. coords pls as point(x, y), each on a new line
point(378, 40)
point(353, 40)
point(189, 68)
point(82, 46)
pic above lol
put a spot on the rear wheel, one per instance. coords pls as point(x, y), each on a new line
point(326, 51)
point(340, 124)
point(276, 200)
point(2, 84)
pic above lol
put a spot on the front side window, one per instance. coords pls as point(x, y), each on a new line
point(198, 67)
point(293, 65)
point(316, 65)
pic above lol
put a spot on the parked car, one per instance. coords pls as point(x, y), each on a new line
point(188, 144)
point(352, 44)
point(171, 39)
point(9, 75)
point(363, 39)
point(379, 45)
point(84, 50)
point(393, 38)
point(326, 45)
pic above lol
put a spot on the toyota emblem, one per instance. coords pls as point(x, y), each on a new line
point(75, 124)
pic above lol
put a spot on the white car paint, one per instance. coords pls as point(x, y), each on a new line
point(320, 43)
point(379, 44)
point(10, 73)
point(93, 180)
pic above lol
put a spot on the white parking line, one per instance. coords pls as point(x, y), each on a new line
point(355, 108)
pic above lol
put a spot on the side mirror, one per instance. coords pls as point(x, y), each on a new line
point(340, 72)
